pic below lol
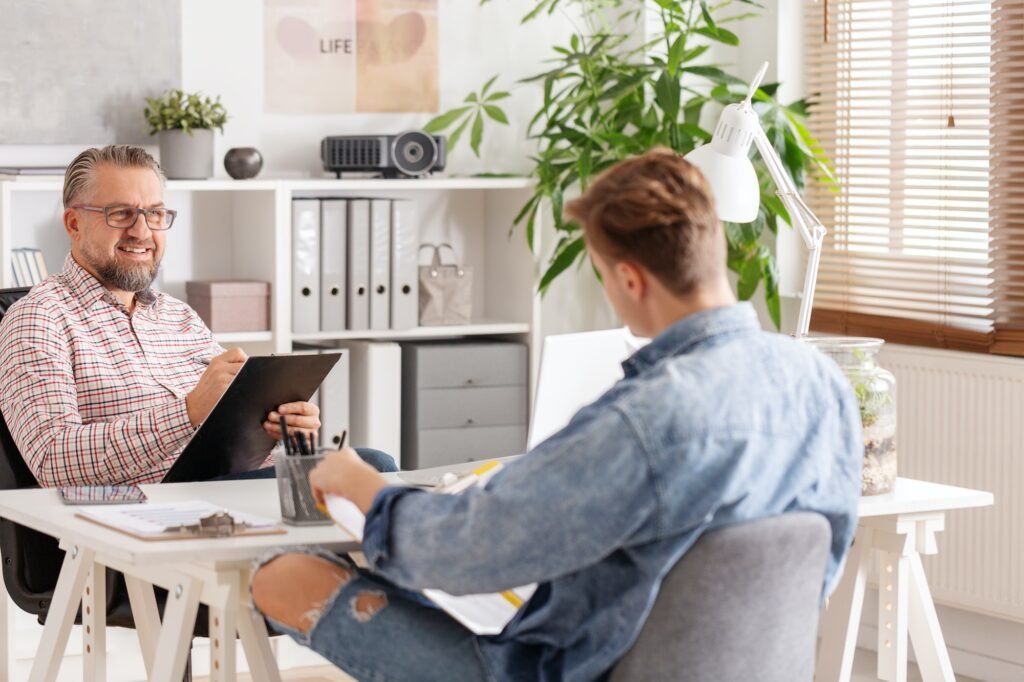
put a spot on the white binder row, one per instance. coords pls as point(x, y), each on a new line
point(354, 265)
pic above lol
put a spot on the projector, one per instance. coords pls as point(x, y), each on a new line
point(409, 154)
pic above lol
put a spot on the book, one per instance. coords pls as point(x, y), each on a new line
point(163, 521)
point(483, 614)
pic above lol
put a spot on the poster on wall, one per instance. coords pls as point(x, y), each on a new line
point(350, 56)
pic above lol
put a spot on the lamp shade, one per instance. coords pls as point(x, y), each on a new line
point(725, 163)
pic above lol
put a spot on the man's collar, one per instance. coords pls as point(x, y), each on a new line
point(90, 291)
point(690, 331)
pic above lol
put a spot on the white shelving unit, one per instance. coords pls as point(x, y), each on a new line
point(242, 229)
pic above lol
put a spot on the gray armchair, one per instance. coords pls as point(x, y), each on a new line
point(742, 604)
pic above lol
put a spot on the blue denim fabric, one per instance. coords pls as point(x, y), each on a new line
point(715, 422)
point(408, 639)
point(381, 461)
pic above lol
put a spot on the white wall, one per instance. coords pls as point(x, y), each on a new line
point(223, 54)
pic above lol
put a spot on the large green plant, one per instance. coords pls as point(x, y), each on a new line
point(605, 100)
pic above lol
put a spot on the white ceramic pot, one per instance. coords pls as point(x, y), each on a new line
point(186, 156)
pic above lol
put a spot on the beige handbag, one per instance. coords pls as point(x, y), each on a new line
point(446, 289)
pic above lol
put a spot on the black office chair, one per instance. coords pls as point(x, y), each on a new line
point(32, 560)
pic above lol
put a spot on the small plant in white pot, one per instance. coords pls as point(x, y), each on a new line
point(184, 124)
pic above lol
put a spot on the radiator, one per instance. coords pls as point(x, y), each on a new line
point(961, 422)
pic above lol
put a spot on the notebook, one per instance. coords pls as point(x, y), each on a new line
point(483, 614)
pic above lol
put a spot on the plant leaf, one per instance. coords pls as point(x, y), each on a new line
point(563, 258)
point(488, 84)
point(666, 94)
point(439, 123)
point(477, 134)
point(457, 133)
point(496, 113)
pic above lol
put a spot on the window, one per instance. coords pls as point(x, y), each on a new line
point(923, 230)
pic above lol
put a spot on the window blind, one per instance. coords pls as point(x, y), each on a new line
point(901, 104)
point(1007, 174)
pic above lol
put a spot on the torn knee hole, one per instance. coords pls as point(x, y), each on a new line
point(366, 605)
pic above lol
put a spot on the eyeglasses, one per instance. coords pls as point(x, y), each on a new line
point(123, 217)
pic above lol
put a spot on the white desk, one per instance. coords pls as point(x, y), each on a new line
point(212, 572)
point(897, 529)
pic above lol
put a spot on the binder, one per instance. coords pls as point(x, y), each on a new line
point(41, 265)
point(333, 257)
point(18, 270)
point(358, 264)
point(380, 264)
point(334, 405)
point(28, 261)
point(375, 371)
point(404, 266)
point(305, 266)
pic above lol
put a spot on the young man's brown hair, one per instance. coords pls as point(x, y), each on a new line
point(655, 210)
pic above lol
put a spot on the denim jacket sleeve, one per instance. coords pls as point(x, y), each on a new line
point(593, 477)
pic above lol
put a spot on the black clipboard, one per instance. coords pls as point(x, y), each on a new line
point(232, 439)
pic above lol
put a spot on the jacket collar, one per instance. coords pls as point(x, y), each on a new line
point(682, 336)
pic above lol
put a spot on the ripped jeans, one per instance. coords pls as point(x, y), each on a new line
point(374, 630)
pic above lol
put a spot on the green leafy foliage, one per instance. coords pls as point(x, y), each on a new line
point(606, 99)
point(176, 109)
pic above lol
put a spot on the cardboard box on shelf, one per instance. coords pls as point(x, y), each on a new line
point(231, 305)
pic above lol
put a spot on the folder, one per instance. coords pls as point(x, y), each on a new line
point(334, 406)
point(380, 264)
point(375, 371)
point(404, 267)
point(305, 266)
point(358, 264)
point(333, 257)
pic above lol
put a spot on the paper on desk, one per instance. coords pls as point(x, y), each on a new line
point(153, 519)
point(483, 614)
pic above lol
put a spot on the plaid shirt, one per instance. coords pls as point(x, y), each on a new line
point(94, 395)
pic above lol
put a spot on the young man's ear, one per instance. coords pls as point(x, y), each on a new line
point(632, 279)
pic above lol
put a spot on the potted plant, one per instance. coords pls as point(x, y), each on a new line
point(605, 99)
point(183, 123)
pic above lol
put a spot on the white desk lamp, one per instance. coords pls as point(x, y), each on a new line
point(726, 164)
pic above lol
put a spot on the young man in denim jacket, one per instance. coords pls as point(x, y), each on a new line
point(716, 422)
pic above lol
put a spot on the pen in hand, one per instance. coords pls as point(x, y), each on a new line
point(284, 436)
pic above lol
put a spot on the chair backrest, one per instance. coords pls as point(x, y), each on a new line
point(31, 560)
point(742, 604)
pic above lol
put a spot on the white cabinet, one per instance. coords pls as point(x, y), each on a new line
point(242, 229)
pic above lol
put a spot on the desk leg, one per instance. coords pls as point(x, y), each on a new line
point(223, 613)
point(94, 625)
point(256, 643)
point(179, 619)
point(925, 633)
point(842, 618)
point(5, 634)
point(61, 614)
point(146, 616)
point(893, 587)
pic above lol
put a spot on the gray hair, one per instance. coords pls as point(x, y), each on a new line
point(79, 176)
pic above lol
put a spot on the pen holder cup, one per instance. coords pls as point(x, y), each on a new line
point(298, 507)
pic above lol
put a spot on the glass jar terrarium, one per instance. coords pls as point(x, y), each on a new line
point(875, 388)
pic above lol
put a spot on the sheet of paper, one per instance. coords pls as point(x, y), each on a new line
point(151, 519)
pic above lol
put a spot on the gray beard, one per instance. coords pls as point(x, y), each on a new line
point(133, 278)
point(114, 275)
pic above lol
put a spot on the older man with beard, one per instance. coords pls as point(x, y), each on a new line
point(102, 379)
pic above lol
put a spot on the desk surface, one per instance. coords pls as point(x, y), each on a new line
point(43, 510)
point(911, 496)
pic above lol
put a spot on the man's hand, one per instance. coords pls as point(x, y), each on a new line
point(344, 473)
point(221, 372)
point(299, 416)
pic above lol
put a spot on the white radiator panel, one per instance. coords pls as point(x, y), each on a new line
point(961, 422)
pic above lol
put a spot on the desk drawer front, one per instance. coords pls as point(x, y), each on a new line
point(438, 447)
point(450, 366)
point(490, 406)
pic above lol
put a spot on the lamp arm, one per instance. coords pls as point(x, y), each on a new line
point(807, 224)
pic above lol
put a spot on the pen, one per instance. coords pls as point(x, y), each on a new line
point(303, 445)
point(284, 435)
point(341, 443)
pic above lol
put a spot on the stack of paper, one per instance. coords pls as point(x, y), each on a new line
point(151, 520)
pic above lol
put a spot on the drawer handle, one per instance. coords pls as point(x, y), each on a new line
point(469, 422)
point(469, 382)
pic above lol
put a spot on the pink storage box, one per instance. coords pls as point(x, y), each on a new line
point(231, 305)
